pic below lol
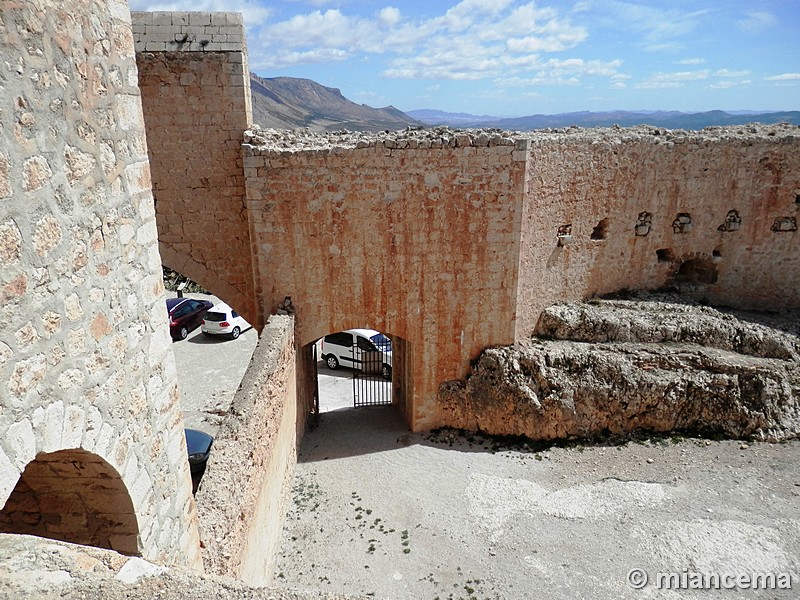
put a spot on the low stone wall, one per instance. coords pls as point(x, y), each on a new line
point(618, 368)
point(246, 488)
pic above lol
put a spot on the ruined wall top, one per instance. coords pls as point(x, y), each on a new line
point(266, 141)
point(270, 141)
point(188, 32)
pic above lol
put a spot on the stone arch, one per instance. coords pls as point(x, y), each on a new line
point(234, 296)
point(64, 427)
point(74, 496)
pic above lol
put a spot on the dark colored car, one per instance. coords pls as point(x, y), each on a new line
point(198, 444)
point(185, 315)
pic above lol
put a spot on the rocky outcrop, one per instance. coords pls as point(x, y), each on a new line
point(616, 367)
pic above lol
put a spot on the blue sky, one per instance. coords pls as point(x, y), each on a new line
point(514, 58)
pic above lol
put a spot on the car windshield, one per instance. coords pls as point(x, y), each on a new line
point(215, 316)
point(382, 342)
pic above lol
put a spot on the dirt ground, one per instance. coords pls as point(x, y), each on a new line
point(390, 514)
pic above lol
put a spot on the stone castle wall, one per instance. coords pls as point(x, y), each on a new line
point(456, 241)
point(91, 440)
point(418, 242)
point(196, 98)
point(247, 486)
point(653, 200)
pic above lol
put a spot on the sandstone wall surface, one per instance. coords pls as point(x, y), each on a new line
point(632, 205)
point(245, 491)
point(196, 99)
point(414, 237)
point(87, 375)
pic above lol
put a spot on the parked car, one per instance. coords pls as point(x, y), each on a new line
point(198, 444)
point(223, 320)
point(185, 315)
point(363, 349)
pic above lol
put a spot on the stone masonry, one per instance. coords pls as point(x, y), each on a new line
point(91, 438)
point(418, 241)
point(195, 88)
point(456, 241)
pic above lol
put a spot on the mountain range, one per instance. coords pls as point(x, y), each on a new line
point(667, 119)
point(292, 103)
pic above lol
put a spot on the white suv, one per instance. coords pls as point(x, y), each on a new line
point(363, 349)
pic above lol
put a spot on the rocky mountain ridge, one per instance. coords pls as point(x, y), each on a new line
point(292, 103)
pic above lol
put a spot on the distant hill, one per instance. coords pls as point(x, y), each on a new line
point(291, 103)
point(667, 119)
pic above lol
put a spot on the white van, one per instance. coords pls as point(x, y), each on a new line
point(363, 349)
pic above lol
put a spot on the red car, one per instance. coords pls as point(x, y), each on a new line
point(185, 315)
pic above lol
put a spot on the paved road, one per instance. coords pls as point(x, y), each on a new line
point(210, 370)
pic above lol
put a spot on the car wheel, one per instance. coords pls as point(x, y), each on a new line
point(332, 362)
point(183, 333)
point(235, 333)
point(386, 372)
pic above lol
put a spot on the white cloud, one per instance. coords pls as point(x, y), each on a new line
point(729, 73)
point(728, 84)
point(756, 22)
point(784, 77)
point(659, 28)
point(691, 61)
point(389, 16)
point(474, 39)
point(672, 80)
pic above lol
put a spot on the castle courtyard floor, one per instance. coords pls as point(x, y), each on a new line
point(386, 513)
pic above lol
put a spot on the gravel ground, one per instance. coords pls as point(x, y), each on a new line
point(386, 513)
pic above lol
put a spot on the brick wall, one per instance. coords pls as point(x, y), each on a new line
point(196, 101)
point(86, 365)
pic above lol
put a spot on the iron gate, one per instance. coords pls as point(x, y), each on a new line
point(372, 378)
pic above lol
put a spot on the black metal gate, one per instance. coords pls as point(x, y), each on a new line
point(372, 378)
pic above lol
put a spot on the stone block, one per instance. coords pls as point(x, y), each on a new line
point(20, 443)
point(53, 427)
point(199, 18)
point(162, 18)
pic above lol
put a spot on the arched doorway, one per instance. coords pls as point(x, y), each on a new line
point(356, 368)
point(73, 496)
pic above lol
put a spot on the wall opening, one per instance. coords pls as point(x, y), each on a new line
point(697, 271)
point(643, 223)
point(600, 232)
point(665, 255)
point(732, 221)
point(682, 223)
point(334, 382)
point(73, 496)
